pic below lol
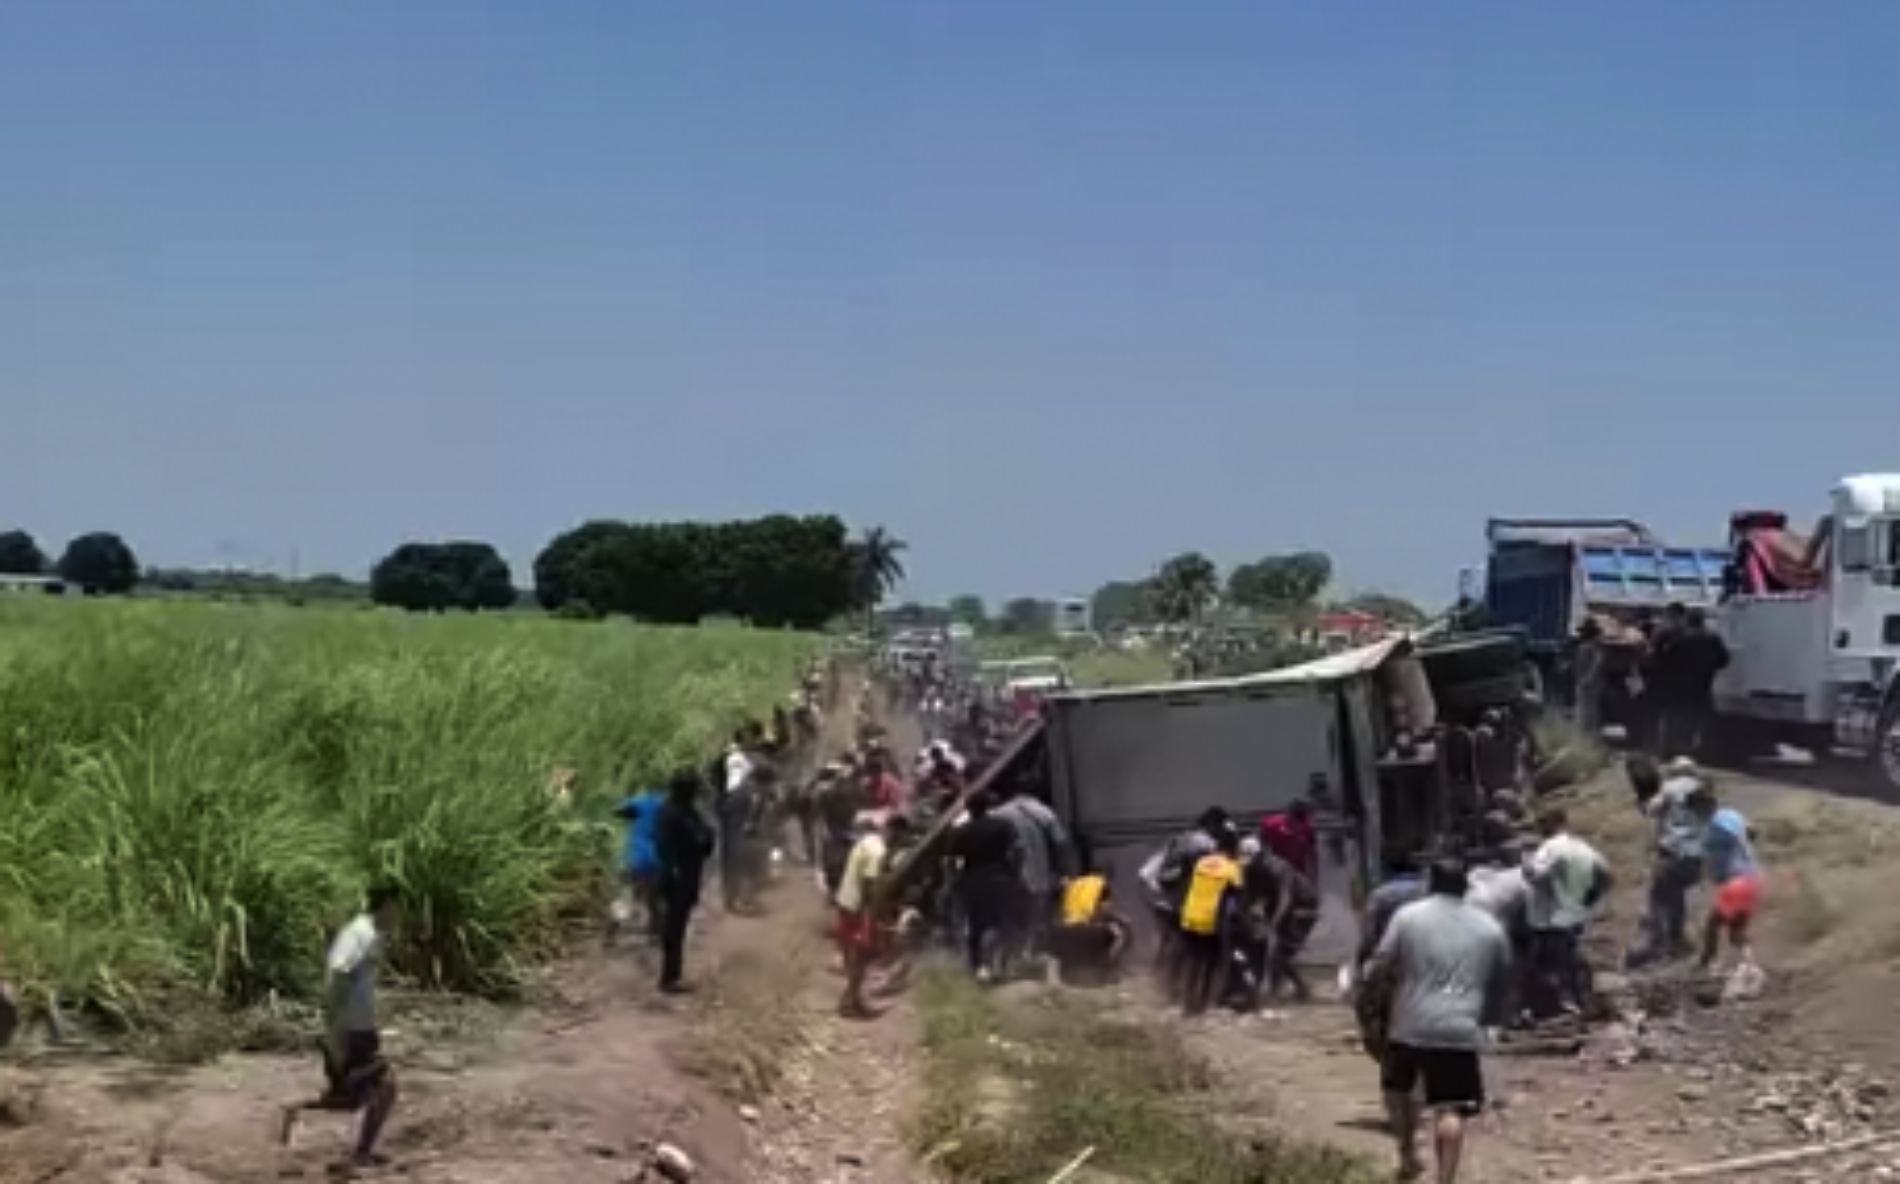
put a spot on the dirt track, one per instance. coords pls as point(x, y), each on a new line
point(575, 1088)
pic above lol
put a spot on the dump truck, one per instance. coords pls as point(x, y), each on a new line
point(1545, 576)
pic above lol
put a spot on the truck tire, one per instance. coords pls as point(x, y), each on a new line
point(1732, 742)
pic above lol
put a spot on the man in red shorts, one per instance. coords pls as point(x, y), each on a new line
point(1729, 854)
point(856, 924)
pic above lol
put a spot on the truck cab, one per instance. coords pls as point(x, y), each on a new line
point(1813, 626)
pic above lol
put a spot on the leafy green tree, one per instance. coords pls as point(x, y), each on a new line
point(1185, 587)
point(1279, 582)
point(20, 555)
point(411, 577)
point(1027, 616)
point(1118, 603)
point(968, 609)
point(564, 564)
point(100, 563)
point(434, 577)
point(773, 571)
point(478, 573)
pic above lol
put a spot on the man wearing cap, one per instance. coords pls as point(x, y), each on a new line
point(1676, 859)
point(1729, 853)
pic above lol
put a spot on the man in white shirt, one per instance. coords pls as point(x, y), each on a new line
point(1568, 879)
point(856, 901)
point(739, 756)
point(359, 1078)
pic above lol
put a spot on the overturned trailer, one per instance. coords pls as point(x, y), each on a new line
point(1128, 768)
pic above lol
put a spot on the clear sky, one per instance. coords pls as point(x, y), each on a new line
point(1052, 290)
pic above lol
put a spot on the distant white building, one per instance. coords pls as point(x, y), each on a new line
point(20, 585)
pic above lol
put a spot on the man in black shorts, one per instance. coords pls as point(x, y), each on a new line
point(1447, 965)
point(356, 1075)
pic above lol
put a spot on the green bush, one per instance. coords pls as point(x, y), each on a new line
point(193, 795)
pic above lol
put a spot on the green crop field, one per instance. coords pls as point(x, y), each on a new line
point(192, 795)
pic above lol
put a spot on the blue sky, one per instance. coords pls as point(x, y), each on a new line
point(1052, 290)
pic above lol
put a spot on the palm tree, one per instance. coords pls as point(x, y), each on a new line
point(874, 554)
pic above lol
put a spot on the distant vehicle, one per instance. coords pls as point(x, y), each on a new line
point(1813, 628)
point(1043, 675)
point(1546, 575)
point(1072, 618)
point(41, 585)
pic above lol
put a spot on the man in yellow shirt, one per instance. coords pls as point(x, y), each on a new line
point(1091, 939)
point(1204, 928)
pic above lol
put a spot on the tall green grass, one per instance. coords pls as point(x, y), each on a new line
point(193, 795)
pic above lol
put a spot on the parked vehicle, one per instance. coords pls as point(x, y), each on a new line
point(1023, 681)
point(1813, 629)
point(1545, 576)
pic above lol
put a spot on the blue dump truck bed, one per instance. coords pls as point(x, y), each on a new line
point(1546, 585)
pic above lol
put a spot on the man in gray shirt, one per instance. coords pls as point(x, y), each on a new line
point(1447, 964)
point(1047, 863)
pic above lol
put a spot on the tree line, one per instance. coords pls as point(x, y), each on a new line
point(1188, 585)
point(1182, 590)
point(774, 571)
point(99, 562)
point(778, 570)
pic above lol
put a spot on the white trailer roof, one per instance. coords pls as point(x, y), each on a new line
point(1329, 669)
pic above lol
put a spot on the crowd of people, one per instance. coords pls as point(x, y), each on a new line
point(1460, 947)
point(1660, 681)
point(1233, 914)
point(1455, 943)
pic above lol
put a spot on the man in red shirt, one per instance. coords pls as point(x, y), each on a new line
point(1290, 835)
point(882, 788)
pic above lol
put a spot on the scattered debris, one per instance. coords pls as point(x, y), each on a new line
point(674, 1164)
point(1723, 1168)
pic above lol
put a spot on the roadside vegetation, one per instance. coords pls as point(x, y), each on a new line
point(1017, 1088)
point(193, 795)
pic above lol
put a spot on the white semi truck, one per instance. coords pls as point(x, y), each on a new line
point(1813, 629)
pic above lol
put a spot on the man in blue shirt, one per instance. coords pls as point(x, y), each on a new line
point(641, 812)
point(1729, 855)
